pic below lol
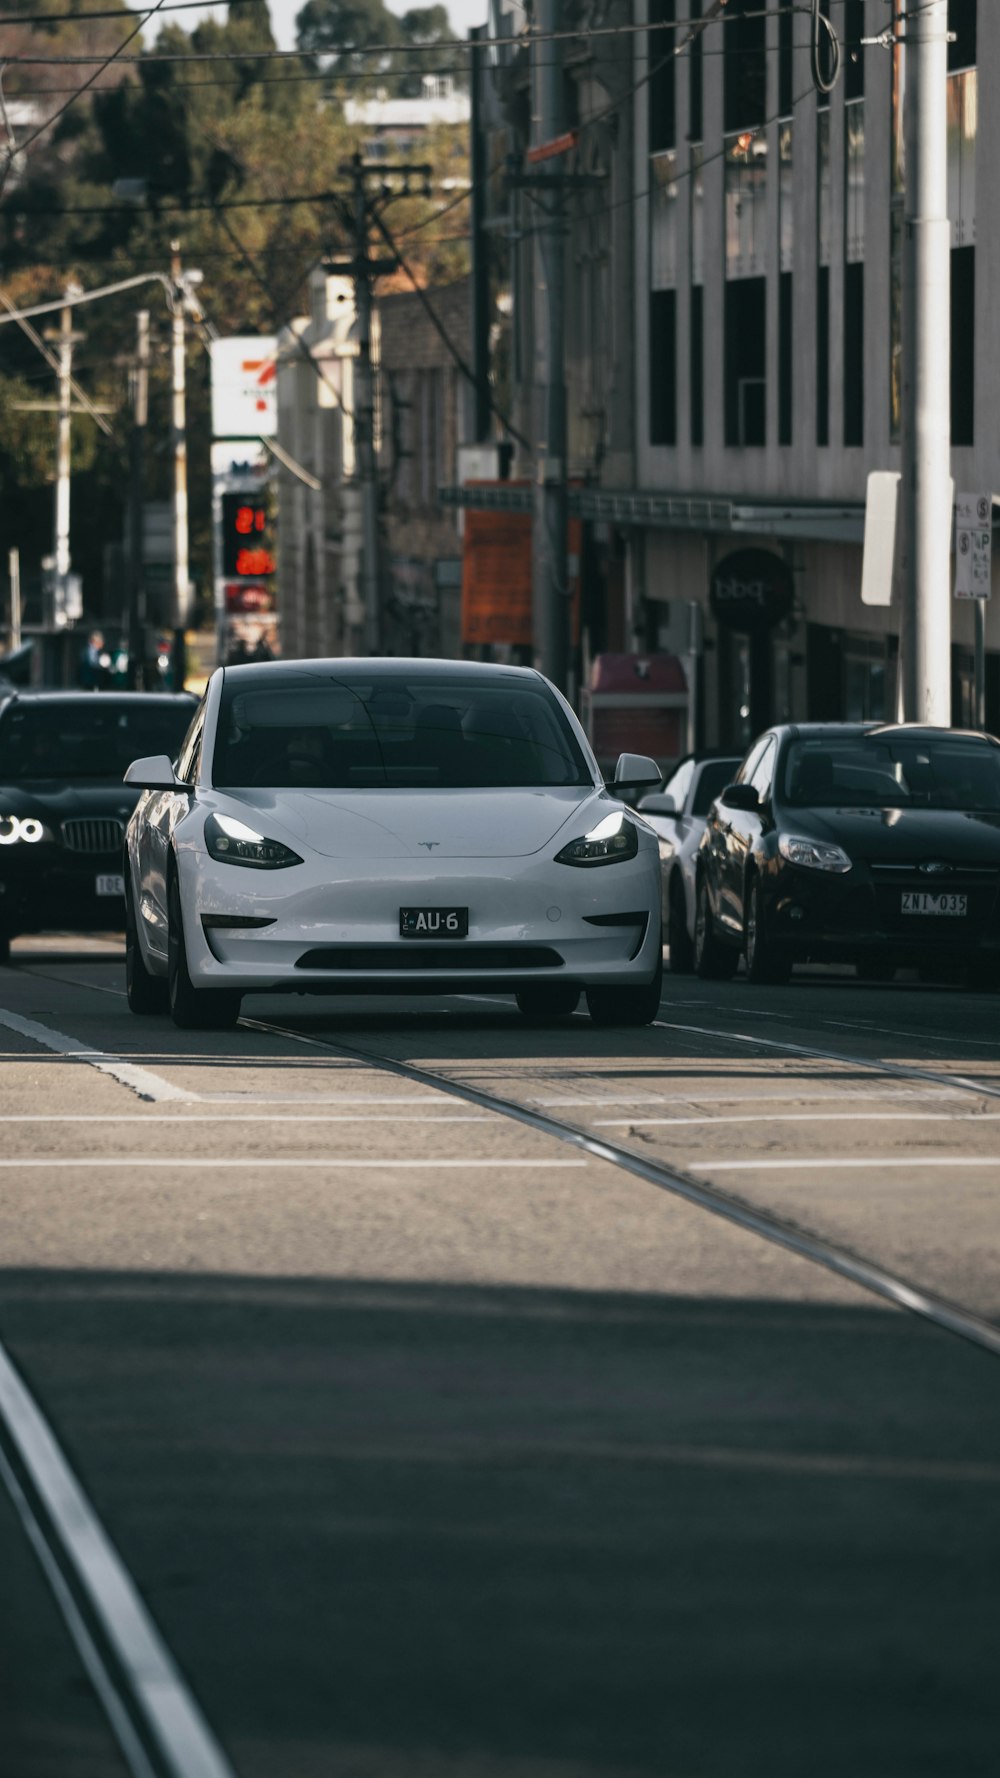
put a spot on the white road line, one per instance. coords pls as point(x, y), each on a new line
point(874, 1163)
point(209, 1164)
point(183, 1738)
point(141, 1119)
point(864, 1095)
point(141, 1080)
point(804, 1117)
point(239, 1099)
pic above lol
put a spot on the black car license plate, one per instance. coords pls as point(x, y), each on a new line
point(916, 902)
point(433, 922)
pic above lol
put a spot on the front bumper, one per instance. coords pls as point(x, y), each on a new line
point(45, 886)
point(536, 922)
point(839, 919)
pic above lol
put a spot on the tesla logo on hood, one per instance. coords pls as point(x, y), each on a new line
point(936, 869)
point(430, 844)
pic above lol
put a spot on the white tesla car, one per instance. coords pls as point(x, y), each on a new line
point(389, 826)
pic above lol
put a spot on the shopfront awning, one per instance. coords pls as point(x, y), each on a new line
point(816, 521)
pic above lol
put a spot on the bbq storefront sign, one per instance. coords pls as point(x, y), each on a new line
point(751, 590)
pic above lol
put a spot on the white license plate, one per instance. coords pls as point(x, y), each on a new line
point(916, 902)
point(109, 885)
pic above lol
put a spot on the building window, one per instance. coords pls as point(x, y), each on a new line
point(786, 95)
point(697, 216)
point(963, 345)
point(745, 361)
point(663, 367)
point(663, 196)
point(697, 365)
point(662, 78)
point(786, 241)
point(854, 272)
point(963, 120)
point(695, 71)
point(962, 27)
point(746, 205)
point(744, 66)
point(854, 55)
point(897, 194)
point(823, 277)
point(696, 240)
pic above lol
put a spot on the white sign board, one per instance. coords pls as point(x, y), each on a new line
point(244, 386)
point(973, 545)
point(880, 537)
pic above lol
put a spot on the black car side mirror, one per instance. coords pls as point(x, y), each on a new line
point(741, 796)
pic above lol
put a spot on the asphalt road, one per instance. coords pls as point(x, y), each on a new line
point(439, 1447)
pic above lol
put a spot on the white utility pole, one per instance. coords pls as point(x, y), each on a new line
point(549, 572)
point(178, 438)
point(14, 571)
point(65, 340)
point(925, 487)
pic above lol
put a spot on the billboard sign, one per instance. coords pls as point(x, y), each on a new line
point(244, 386)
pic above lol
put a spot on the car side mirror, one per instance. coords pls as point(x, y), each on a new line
point(152, 773)
point(741, 796)
point(635, 771)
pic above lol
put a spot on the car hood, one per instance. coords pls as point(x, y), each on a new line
point(898, 835)
point(58, 801)
point(431, 824)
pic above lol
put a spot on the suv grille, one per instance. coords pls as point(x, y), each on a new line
point(97, 834)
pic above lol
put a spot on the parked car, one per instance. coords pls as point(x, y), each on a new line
point(877, 845)
point(388, 826)
point(63, 806)
point(677, 814)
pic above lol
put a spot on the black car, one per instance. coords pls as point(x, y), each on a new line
point(853, 842)
point(63, 806)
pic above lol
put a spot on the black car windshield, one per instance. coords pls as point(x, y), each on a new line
point(91, 737)
point(308, 731)
point(889, 771)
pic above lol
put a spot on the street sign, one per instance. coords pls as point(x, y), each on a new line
point(973, 545)
point(880, 537)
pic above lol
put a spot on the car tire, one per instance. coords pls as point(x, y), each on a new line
point(627, 1006)
point(762, 964)
point(714, 961)
point(678, 938)
point(145, 993)
point(191, 1008)
point(542, 1005)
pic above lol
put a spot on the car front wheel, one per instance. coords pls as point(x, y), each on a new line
point(714, 961)
point(627, 1006)
point(145, 992)
point(193, 1009)
point(763, 963)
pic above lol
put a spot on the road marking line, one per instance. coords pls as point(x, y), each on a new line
point(874, 1165)
point(864, 1095)
point(141, 1119)
point(141, 1080)
point(804, 1117)
point(183, 1738)
point(210, 1164)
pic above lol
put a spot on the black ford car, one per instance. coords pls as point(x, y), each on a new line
point(859, 843)
point(63, 806)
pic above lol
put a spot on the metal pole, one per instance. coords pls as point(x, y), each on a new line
point(178, 434)
point(480, 255)
point(14, 570)
point(550, 588)
point(979, 715)
point(926, 425)
point(364, 419)
point(136, 582)
point(64, 441)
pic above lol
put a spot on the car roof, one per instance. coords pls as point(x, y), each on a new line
point(830, 731)
point(388, 667)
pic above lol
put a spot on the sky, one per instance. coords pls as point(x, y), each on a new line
point(463, 14)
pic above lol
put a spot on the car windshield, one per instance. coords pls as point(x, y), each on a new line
point(892, 771)
point(89, 738)
point(309, 732)
point(712, 781)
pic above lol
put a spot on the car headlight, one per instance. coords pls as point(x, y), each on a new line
point(231, 842)
point(20, 830)
point(813, 854)
point(613, 840)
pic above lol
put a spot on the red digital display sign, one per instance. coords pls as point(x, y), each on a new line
point(247, 545)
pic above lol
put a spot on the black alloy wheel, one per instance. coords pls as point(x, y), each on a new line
point(193, 1009)
point(547, 1002)
point(145, 993)
point(763, 963)
point(714, 961)
point(678, 938)
point(627, 1006)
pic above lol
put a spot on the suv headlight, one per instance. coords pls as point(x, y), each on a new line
point(813, 854)
point(231, 842)
point(20, 829)
point(612, 841)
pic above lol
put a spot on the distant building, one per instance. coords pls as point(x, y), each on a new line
point(396, 125)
